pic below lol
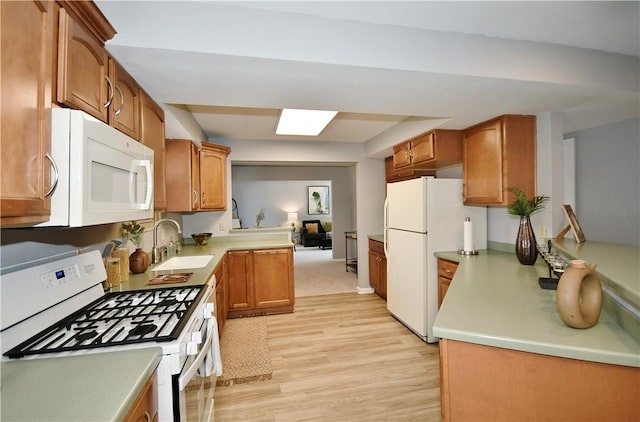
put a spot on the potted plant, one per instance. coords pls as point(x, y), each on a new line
point(139, 259)
point(526, 248)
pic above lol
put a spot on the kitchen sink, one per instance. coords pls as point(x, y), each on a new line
point(184, 262)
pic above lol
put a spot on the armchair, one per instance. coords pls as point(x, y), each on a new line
point(314, 235)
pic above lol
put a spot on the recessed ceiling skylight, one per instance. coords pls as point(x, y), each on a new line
point(303, 122)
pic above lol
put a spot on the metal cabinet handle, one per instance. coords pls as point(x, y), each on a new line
point(147, 416)
point(195, 197)
point(203, 198)
point(55, 173)
point(121, 100)
point(108, 103)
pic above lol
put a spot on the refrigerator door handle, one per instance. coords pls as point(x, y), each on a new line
point(386, 217)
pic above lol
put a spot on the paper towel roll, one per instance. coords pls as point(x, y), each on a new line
point(468, 235)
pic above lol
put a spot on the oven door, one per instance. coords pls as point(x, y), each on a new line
point(197, 380)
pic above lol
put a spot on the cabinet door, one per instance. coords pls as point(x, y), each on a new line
point(402, 155)
point(182, 175)
point(26, 63)
point(383, 277)
point(499, 154)
point(422, 150)
point(152, 135)
point(124, 111)
point(482, 164)
point(273, 277)
point(82, 70)
point(221, 294)
point(374, 271)
point(213, 177)
point(145, 407)
point(443, 286)
point(240, 280)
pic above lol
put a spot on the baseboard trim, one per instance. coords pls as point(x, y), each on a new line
point(365, 290)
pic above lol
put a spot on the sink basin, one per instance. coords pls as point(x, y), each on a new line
point(184, 262)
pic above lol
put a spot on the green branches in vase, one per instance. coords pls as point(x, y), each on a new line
point(133, 231)
point(523, 206)
point(259, 217)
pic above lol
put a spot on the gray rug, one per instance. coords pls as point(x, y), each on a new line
point(245, 352)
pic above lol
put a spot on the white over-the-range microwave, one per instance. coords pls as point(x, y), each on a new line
point(101, 175)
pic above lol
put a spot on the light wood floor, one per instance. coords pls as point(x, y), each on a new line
point(339, 358)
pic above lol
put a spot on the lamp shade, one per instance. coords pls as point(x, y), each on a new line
point(292, 216)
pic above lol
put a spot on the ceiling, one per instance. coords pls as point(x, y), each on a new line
point(392, 69)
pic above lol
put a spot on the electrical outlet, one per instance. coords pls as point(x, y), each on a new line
point(221, 226)
point(542, 231)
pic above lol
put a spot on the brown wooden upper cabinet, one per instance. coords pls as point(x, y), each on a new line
point(26, 48)
point(415, 151)
point(196, 179)
point(124, 115)
point(431, 150)
point(152, 135)
point(83, 64)
point(88, 78)
point(213, 176)
point(499, 154)
point(397, 175)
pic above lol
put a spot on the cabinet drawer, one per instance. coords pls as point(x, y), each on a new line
point(447, 268)
point(376, 246)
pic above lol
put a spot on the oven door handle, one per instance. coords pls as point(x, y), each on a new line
point(191, 372)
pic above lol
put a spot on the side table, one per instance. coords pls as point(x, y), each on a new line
point(351, 261)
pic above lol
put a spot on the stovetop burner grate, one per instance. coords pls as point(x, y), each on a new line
point(118, 318)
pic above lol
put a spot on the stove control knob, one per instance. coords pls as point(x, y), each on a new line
point(196, 337)
point(192, 348)
point(208, 310)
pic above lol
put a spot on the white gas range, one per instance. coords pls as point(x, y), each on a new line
point(59, 308)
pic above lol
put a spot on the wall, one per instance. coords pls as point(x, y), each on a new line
point(608, 182)
point(285, 189)
point(24, 247)
point(278, 198)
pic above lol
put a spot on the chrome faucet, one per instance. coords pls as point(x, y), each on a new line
point(156, 255)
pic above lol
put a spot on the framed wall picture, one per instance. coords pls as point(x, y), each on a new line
point(318, 200)
point(574, 225)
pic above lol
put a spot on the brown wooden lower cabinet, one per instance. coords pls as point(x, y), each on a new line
point(220, 293)
point(260, 282)
point(446, 271)
point(489, 383)
point(378, 268)
point(145, 407)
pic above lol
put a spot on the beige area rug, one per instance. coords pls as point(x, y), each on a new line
point(244, 351)
point(317, 273)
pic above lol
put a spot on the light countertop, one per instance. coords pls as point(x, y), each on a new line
point(88, 387)
point(377, 237)
point(218, 247)
point(494, 300)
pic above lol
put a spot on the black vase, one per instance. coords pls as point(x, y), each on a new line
point(526, 248)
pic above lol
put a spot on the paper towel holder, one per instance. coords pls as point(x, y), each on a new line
point(463, 251)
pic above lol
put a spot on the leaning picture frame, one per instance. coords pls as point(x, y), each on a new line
point(573, 225)
point(319, 200)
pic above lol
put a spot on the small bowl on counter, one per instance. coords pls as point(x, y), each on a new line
point(201, 238)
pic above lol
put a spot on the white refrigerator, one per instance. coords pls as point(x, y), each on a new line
point(421, 217)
